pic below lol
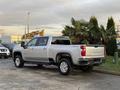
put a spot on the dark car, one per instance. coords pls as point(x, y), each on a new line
point(10, 46)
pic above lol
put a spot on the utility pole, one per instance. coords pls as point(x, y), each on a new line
point(25, 34)
point(28, 22)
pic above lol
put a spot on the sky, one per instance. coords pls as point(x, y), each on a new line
point(53, 15)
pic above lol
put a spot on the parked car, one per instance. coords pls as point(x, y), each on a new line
point(58, 51)
point(4, 52)
point(10, 46)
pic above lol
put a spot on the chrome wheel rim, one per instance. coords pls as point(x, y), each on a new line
point(17, 61)
point(63, 67)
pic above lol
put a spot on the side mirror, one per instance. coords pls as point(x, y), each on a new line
point(23, 44)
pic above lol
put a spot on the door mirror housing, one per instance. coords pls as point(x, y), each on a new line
point(23, 44)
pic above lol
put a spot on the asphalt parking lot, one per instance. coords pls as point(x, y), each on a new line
point(33, 78)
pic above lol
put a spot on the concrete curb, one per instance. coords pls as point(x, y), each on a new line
point(107, 72)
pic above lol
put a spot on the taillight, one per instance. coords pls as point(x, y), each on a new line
point(83, 51)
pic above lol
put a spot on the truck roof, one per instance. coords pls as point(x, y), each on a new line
point(54, 36)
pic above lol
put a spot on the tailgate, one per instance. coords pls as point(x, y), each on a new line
point(95, 51)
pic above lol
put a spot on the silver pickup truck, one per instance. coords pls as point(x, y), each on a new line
point(58, 51)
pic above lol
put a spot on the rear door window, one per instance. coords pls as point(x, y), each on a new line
point(42, 41)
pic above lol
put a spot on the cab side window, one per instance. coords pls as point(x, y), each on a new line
point(42, 41)
point(32, 42)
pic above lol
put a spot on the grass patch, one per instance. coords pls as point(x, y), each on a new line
point(109, 65)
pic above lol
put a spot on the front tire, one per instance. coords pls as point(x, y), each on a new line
point(64, 66)
point(18, 61)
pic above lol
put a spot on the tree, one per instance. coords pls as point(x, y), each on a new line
point(111, 33)
point(103, 34)
point(77, 31)
point(111, 45)
point(95, 34)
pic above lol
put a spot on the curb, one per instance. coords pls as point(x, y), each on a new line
point(107, 72)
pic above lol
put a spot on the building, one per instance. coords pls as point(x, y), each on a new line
point(10, 38)
point(32, 34)
point(16, 38)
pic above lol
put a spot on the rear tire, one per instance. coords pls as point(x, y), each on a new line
point(87, 68)
point(64, 66)
point(18, 61)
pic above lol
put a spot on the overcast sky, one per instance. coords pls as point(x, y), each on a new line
point(55, 13)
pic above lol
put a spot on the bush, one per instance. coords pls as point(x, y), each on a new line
point(119, 53)
point(0, 41)
point(111, 47)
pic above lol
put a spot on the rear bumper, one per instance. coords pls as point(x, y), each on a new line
point(87, 62)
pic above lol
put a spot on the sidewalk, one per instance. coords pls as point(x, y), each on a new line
point(100, 70)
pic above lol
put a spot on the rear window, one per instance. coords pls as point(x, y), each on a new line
point(57, 41)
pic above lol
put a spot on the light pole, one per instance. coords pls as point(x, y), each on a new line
point(28, 22)
point(25, 34)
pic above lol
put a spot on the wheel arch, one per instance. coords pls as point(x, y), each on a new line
point(63, 55)
point(17, 53)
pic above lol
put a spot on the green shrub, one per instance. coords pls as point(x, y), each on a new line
point(119, 53)
point(0, 41)
point(111, 47)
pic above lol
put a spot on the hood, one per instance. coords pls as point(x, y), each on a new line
point(3, 48)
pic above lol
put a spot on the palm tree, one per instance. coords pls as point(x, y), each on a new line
point(89, 32)
point(77, 31)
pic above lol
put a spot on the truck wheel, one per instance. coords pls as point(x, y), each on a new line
point(64, 66)
point(87, 68)
point(18, 61)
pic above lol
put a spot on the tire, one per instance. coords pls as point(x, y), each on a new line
point(87, 68)
point(18, 61)
point(64, 66)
